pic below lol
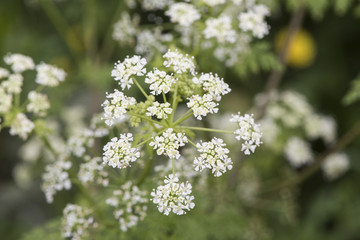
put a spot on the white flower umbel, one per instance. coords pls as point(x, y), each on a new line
point(19, 63)
point(213, 155)
point(123, 71)
point(56, 178)
point(320, 126)
point(173, 196)
point(179, 62)
point(335, 165)
point(298, 152)
point(13, 84)
point(168, 143)
point(161, 111)
point(75, 222)
point(220, 28)
point(5, 101)
point(160, 81)
point(151, 5)
point(49, 75)
point(213, 3)
point(130, 205)
point(183, 13)
point(118, 153)
point(213, 84)
point(38, 103)
point(202, 105)
point(21, 126)
point(115, 109)
point(92, 171)
point(254, 20)
point(248, 131)
point(4, 73)
point(125, 28)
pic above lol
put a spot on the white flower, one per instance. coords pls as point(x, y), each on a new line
point(21, 126)
point(212, 84)
point(92, 171)
point(202, 105)
point(248, 131)
point(115, 109)
point(5, 101)
point(125, 28)
point(335, 165)
point(161, 111)
point(213, 3)
point(130, 205)
point(253, 20)
point(298, 152)
point(213, 155)
point(151, 5)
point(118, 153)
point(49, 75)
point(148, 42)
point(123, 71)
point(19, 62)
point(183, 13)
point(173, 196)
point(4, 73)
point(221, 29)
point(56, 178)
point(179, 62)
point(320, 126)
point(13, 84)
point(168, 143)
point(159, 81)
point(75, 222)
point(38, 104)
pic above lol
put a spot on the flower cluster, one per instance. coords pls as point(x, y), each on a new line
point(202, 105)
point(130, 205)
point(173, 196)
point(213, 85)
point(118, 153)
point(335, 165)
point(179, 62)
point(248, 131)
point(160, 110)
point(183, 13)
point(159, 81)
point(169, 143)
point(49, 75)
point(254, 20)
point(298, 152)
point(56, 178)
point(93, 171)
point(213, 155)
point(76, 221)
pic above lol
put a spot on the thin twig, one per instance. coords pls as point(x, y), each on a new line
point(275, 77)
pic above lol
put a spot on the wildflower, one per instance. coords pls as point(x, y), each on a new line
point(123, 71)
point(335, 165)
point(19, 63)
point(213, 3)
point(125, 28)
point(179, 62)
point(320, 126)
point(212, 84)
point(4, 73)
point(5, 101)
point(56, 178)
point(173, 196)
point(151, 5)
point(202, 105)
point(221, 29)
point(38, 104)
point(248, 131)
point(253, 20)
point(49, 75)
point(161, 111)
point(159, 81)
point(298, 152)
point(183, 13)
point(93, 171)
point(213, 155)
point(168, 143)
point(13, 84)
point(21, 126)
point(75, 222)
point(119, 153)
point(115, 109)
point(130, 205)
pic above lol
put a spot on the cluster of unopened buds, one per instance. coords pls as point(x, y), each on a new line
point(157, 122)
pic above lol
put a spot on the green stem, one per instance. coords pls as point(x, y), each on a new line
point(183, 118)
point(207, 129)
point(146, 118)
point(174, 104)
point(164, 97)
point(141, 89)
point(191, 142)
point(146, 171)
point(173, 166)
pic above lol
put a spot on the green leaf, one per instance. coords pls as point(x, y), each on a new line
point(354, 92)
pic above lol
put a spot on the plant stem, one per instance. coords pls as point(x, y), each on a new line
point(141, 89)
point(206, 129)
point(174, 105)
point(183, 118)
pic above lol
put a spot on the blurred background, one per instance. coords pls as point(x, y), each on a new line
point(323, 60)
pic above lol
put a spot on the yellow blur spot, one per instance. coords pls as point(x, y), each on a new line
point(301, 52)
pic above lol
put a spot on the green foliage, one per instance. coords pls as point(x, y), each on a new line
point(50, 231)
point(354, 93)
point(342, 6)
